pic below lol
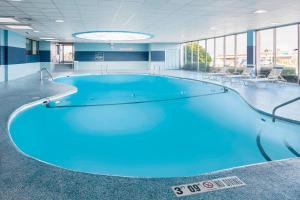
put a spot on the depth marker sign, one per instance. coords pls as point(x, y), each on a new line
point(207, 186)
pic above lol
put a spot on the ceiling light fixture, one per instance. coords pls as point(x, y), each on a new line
point(8, 20)
point(274, 23)
point(113, 36)
point(16, 0)
point(260, 11)
point(19, 27)
point(47, 38)
point(52, 40)
point(59, 21)
point(36, 31)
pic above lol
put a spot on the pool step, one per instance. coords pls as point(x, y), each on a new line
point(277, 143)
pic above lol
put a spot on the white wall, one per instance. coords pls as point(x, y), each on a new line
point(112, 66)
point(172, 56)
point(2, 73)
point(21, 70)
point(17, 70)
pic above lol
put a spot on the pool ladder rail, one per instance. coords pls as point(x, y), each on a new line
point(44, 69)
point(282, 105)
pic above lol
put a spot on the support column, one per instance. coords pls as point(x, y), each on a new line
point(299, 54)
point(251, 51)
point(5, 55)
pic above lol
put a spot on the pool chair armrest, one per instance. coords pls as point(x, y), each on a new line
point(261, 76)
point(282, 79)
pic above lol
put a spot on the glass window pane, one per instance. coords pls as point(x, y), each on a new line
point(287, 51)
point(266, 54)
point(219, 52)
point(230, 51)
point(210, 52)
point(34, 48)
point(195, 47)
point(202, 56)
point(28, 46)
point(188, 56)
point(241, 50)
point(68, 53)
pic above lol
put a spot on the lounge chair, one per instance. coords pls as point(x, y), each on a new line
point(215, 75)
point(247, 73)
point(274, 77)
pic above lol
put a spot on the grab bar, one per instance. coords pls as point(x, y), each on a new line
point(282, 105)
point(46, 70)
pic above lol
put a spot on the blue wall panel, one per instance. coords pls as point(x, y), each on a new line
point(85, 56)
point(2, 57)
point(32, 58)
point(126, 56)
point(90, 56)
point(16, 55)
point(158, 56)
point(45, 56)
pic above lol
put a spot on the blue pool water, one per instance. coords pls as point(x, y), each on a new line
point(150, 126)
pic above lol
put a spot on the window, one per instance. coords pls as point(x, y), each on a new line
point(66, 53)
point(265, 51)
point(241, 50)
point(195, 56)
point(219, 52)
point(210, 52)
point(230, 51)
point(32, 47)
point(287, 51)
point(202, 56)
point(189, 55)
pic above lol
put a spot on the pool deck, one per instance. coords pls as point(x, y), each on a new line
point(25, 178)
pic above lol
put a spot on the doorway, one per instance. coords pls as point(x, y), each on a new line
point(63, 56)
point(172, 59)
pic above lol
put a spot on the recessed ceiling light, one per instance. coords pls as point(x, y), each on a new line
point(8, 20)
point(59, 21)
point(52, 40)
point(20, 27)
point(112, 36)
point(16, 0)
point(36, 31)
point(274, 23)
point(47, 38)
point(260, 11)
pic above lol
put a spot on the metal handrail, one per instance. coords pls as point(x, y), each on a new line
point(46, 70)
point(282, 105)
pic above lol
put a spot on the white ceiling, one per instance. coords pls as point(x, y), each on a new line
point(167, 20)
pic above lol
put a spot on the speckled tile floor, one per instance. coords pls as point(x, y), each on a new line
point(24, 178)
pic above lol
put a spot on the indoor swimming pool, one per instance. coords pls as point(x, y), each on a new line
point(150, 126)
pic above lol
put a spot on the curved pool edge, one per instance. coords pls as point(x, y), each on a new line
point(74, 90)
point(244, 99)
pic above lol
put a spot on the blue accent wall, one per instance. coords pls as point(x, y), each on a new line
point(158, 56)
point(16, 55)
point(90, 56)
point(251, 48)
point(45, 56)
point(2, 57)
point(126, 56)
point(107, 47)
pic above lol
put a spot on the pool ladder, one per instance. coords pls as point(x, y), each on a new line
point(156, 69)
point(45, 70)
point(282, 105)
point(104, 68)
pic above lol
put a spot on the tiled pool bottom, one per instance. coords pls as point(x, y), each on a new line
point(24, 178)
